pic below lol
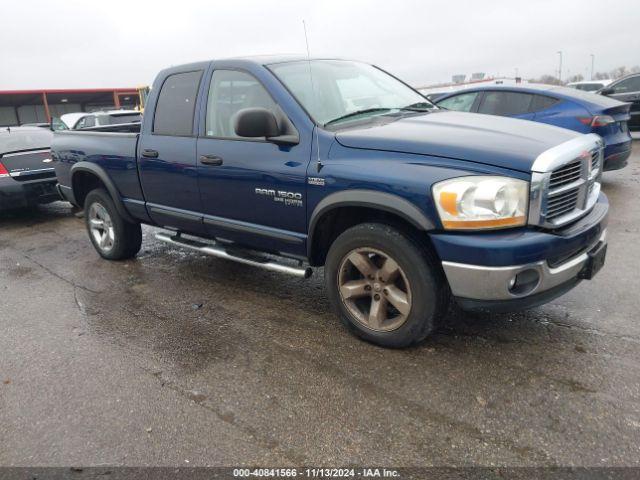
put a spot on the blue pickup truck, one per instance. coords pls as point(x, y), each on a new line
point(290, 163)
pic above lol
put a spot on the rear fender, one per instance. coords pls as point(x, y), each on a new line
point(102, 175)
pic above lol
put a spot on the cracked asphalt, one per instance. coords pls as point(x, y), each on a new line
point(175, 358)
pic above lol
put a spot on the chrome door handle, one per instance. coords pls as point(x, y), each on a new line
point(210, 160)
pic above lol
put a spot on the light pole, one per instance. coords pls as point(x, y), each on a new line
point(559, 52)
point(593, 59)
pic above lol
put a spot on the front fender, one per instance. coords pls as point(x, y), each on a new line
point(372, 199)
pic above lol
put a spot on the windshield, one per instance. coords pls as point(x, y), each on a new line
point(333, 91)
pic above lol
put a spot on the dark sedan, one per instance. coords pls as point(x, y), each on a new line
point(627, 89)
point(27, 176)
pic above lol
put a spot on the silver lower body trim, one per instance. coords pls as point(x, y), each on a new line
point(222, 252)
point(480, 282)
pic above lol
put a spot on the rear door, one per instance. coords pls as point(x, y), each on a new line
point(628, 90)
point(507, 104)
point(167, 155)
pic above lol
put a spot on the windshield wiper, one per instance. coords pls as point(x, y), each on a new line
point(356, 113)
point(419, 107)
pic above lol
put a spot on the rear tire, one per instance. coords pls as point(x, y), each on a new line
point(113, 237)
point(386, 287)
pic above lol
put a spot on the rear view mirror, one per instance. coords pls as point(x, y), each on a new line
point(255, 123)
point(607, 91)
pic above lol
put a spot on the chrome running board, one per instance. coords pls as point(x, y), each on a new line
point(222, 252)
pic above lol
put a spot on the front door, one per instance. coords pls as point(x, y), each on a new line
point(253, 191)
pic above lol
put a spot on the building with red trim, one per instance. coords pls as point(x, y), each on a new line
point(18, 107)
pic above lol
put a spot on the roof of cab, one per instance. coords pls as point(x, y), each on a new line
point(281, 58)
point(261, 60)
point(255, 59)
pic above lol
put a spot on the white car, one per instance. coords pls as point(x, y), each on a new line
point(80, 120)
point(589, 85)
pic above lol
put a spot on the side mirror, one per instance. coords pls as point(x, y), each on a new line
point(607, 91)
point(256, 122)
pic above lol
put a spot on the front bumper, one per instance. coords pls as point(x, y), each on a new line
point(476, 286)
point(543, 264)
point(15, 194)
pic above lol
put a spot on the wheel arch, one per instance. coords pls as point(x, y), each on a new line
point(86, 176)
point(341, 210)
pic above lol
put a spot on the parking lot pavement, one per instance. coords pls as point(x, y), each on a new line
point(179, 359)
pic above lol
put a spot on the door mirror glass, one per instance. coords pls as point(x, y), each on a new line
point(255, 122)
point(607, 91)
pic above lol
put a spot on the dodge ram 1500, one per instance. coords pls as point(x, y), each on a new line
point(292, 163)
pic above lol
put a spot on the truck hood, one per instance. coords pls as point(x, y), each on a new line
point(499, 141)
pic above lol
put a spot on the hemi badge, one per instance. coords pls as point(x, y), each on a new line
point(315, 181)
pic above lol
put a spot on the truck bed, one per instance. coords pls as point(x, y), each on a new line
point(113, 151)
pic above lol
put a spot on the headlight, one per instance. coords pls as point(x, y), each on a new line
point(481, 202)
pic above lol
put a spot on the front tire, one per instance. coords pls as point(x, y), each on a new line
point(112, 236)
point(386, 287)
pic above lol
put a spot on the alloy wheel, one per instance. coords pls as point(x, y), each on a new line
point(374, 289)
point(101, 227)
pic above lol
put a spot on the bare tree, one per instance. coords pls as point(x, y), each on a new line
point(575, 78)
point(618, 72)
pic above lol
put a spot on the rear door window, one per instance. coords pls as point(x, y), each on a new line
point(505, 103)
point(176, 104)
point(461, 103)
point(542, 102)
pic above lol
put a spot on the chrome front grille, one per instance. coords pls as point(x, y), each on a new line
point(565, 182)
point(562, 203)
point(565, 175)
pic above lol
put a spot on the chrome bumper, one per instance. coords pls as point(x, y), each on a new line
point(479, 282)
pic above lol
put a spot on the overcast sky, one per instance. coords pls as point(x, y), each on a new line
point(69, 43)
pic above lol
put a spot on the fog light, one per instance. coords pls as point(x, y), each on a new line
point(524, 282)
